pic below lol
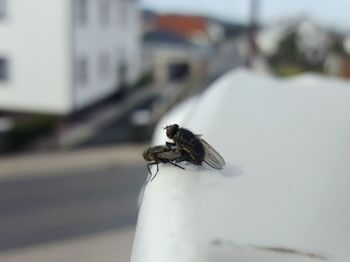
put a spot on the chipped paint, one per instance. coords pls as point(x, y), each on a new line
point(291, 251)
point(281, 250)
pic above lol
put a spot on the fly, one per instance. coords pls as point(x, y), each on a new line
point(164, 154)
point(194, 146)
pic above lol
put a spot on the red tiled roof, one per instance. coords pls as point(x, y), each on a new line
point(184, 25)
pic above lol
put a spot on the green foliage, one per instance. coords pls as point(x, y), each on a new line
point(144, 80)
point(288, 71)
point(337, 46)
point(288, 50)
point(31, 129)
point(288, 60)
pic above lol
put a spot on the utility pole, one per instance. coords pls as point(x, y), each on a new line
point(252, 28)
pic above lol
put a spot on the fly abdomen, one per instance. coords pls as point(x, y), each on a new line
point(191, 144)
point(197, 151)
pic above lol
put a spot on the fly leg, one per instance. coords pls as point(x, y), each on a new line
point(149, 171)
point(169, 144)
point(148, 167)
point(156, 172)
point(174, 164)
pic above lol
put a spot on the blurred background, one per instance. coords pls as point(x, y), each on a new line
point(84, 82)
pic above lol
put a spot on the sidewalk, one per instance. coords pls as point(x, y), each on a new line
point(36, 164)
point(111, 246)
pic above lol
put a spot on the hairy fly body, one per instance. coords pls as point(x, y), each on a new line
point(164, 154)
point(194, 146)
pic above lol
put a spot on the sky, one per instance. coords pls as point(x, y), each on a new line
point(334, 13)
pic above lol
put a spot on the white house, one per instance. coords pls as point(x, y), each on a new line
point(63, 55)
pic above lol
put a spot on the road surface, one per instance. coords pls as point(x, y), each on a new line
point(40, 209)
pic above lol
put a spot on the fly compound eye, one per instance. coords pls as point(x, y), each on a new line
point(171, 130)
point(145, 154)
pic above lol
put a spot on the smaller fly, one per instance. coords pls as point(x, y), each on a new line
point(164, 154)
point(193, 145)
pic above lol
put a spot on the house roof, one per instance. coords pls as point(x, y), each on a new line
point(184, 25)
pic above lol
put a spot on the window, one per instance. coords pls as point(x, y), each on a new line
point(105, 12)
point(82, 70)
point(3, 9)
point(104, 65)
point(3, 69)
point(178, 71)
point(122, 13)
point(81, 11)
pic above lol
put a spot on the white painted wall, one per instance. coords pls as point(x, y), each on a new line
point(34, 39)
point(42, 43)
point(119, 40)
point(133, 41)
point(284, 192)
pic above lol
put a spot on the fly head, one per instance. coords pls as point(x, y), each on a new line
point(171, 130)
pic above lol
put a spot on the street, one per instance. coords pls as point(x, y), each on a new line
point(50, 198)
point(49, 208)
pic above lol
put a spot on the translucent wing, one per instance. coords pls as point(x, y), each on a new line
point(170, 155)
point(212, 157)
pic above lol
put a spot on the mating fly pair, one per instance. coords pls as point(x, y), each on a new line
point(186, 146)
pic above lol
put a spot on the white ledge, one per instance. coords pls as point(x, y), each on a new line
point(284, 193)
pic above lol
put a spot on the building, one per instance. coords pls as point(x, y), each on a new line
point(198, 29)
point(172, 58)
point(61, 56)
point(178, 47)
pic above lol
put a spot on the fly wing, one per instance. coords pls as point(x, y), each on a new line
point(170, 155)
point(212, 157)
